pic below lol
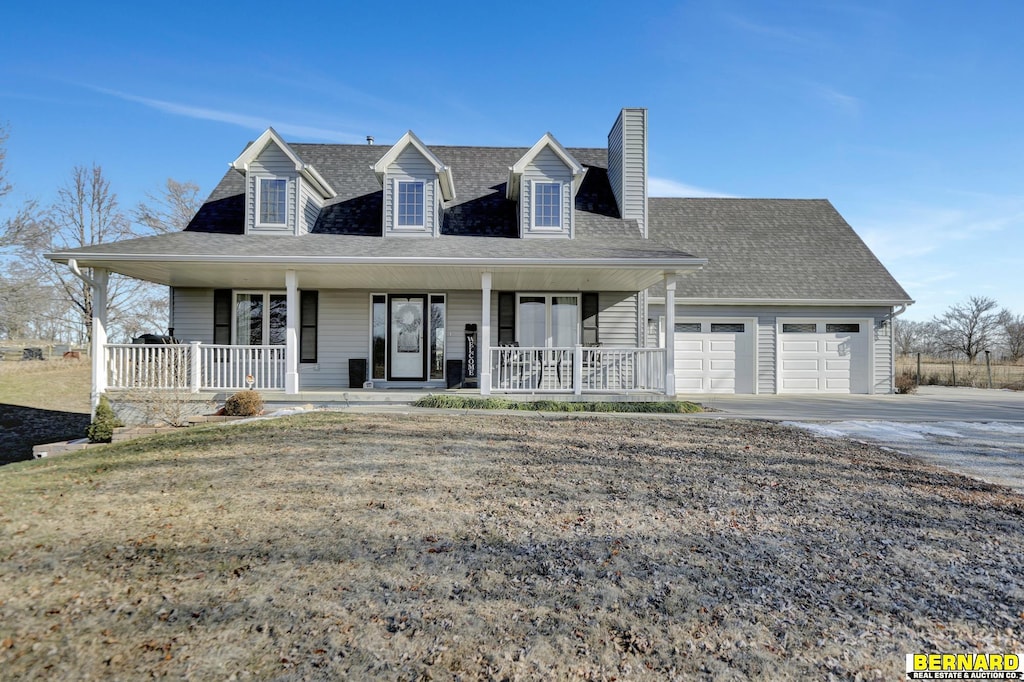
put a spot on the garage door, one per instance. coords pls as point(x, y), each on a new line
point(714, 357)
point(823, 357)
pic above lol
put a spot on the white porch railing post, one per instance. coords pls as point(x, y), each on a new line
point(484, 342)
point(577, 370)
point(670, 334)
point(291, 340)
point(197, 367)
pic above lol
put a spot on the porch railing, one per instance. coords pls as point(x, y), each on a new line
point(516, 369)
point(194, 367)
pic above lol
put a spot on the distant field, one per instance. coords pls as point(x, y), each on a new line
point(936, 372)
point(41, 402)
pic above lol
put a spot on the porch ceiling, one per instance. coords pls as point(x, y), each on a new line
point(442, 275)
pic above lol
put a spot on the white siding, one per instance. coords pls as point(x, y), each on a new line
point(411, 166)
point(272, 162)
point(546, 167)
point(883, 360)
point(193, 315)
point(309, 207)
point(627, 165)
point(463, 307)
point(617, 319)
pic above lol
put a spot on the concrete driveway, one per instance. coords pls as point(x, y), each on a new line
point(929, 404)
point(975, 432)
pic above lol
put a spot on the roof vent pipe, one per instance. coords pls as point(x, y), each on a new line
point(369, 139)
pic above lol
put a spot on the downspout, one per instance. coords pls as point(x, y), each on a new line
point(891, 319)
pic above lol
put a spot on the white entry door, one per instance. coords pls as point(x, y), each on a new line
point(714, 357)
point(407, 348)
point(818, 356)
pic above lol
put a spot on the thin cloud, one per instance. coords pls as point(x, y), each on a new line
point(664, 187)
point(776, 33)
point(838, 100)
point(232, 118)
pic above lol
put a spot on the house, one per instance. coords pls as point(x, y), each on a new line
point(317, 267)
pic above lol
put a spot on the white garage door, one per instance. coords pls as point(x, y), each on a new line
point(714, 357)
point(823, 356)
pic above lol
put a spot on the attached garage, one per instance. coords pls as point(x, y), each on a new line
point(714, 356)
point(824, 355)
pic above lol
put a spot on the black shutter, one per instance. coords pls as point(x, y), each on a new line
point(222, 316)
point(591, 336)
point(308, 307)
point(506, 318)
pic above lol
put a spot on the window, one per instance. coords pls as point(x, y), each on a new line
point(684, 327)
point(410, 204)
point(379, 340)
point(549, 321)
point(271, 201)
point(799, 328)
point(260, 319)
point(837, 328)
point(547, 204)
point(727, 327)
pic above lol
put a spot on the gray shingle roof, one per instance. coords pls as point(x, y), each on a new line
point(758, 249)
point(786, 249)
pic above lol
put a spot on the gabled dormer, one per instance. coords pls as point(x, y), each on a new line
point(283, 194)
point(544, 182)
point(416, 184)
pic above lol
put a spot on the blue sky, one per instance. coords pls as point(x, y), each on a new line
point(907, 114)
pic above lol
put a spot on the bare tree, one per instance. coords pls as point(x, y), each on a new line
point(970, 327)
point(171, 210)
point(86, 213)
point(911, 337)
point(1012, 329)
point(5, 187)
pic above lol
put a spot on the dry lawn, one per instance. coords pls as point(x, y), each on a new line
point(940, 372)
point(41, 402)
point(481, 546)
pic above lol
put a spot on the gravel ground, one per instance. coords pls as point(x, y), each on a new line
point(500, 547)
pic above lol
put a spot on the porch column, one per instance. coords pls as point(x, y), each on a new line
point(670, 333)
point(485, 334)
point(99, 280)
point(291, 339)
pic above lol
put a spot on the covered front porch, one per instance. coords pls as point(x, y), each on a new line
point(549, 349)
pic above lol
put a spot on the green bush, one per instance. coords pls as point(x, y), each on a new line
point(244, 404)
point(469, 403)
point(102, 428)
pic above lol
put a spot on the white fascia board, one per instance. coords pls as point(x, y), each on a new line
point(269, 135)
point(628, 263)
point(256, 148)
point(548, 140)
point(444, 173)
point(783, 301)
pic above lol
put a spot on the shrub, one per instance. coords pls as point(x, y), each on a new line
point(102, 428)
point(244, 404)
point(905, 383)
point(470, 403)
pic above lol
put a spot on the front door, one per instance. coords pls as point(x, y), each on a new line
point(407, 347)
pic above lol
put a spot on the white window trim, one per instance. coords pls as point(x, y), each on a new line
point(548, 329)
point(258, 218)
point(533, 206)
point(422, 227)
point(266, 293)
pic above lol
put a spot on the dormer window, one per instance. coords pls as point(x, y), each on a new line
point(410, 204)
point(271, 201)
point(547, 205)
